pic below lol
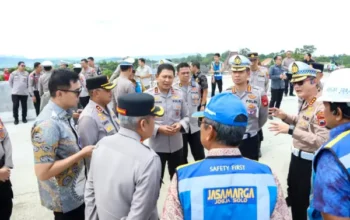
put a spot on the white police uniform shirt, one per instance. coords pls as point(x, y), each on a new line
point(175, 110)
point(256, 102)
point(124, 179)
point(19, 82)
point(94, 123)
point(192, 97)
point(260, 78)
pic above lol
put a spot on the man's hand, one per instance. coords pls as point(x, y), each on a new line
point(166, 129)
point(76, 115)
point(281, 76)
point(87, 151)
point(279, 127)
point(176, 127)
point(5, 174)
point(277, 113)
point(202, 108)
point(34, 99)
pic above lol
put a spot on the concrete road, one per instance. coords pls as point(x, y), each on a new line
point(275, 150)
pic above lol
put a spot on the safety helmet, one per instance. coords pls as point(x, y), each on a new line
point(47, 63)
point(336, 88)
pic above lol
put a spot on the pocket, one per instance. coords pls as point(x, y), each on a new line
point(195, 99)
point(176, 110)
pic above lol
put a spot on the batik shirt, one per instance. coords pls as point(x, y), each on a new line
point(54, 138)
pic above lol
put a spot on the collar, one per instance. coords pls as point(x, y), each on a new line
point(171, 91)
point(313, 100)
point(224, 152)
point(129, 133)
point(249, 89)
point(339, 129)
point(60, 112)
point(98, 107)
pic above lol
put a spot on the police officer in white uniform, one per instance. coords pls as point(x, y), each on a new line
point(6, 164)
point(97, 120)
point(259, 77)
point(19, 89)
point(124, 84)
point(124, 177)
point(44, 83)
point(167, 138)
point(256, 102)
point(192, 96)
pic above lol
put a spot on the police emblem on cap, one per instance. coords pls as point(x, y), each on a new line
point(238, 60)
point(161, 62)
point(295, 68)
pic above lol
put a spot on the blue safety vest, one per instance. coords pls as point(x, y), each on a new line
point(339, 147)
point(226, 188)
point(216, 68)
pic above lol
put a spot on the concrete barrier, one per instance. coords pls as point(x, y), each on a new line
point(6, 114)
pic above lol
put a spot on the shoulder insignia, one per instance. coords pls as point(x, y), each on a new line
point(264, 100)
point(312, 101)
point(233, 89)
point(180, 85)
point(249, 88)
point(99, 109)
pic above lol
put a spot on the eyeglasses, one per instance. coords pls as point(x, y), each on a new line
point(23, 65)
point(77, 91)
point(300, 83)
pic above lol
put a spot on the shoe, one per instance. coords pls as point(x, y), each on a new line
point(16, 121)
point(24, 121)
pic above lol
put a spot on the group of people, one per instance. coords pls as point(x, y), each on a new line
point(98, 167)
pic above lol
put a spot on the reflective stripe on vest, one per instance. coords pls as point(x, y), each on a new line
point(229, 194)
point(343, 153)
point(216, 68)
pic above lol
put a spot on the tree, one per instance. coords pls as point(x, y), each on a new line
point(308, 49)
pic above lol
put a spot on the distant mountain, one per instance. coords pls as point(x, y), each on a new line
point(11, 61)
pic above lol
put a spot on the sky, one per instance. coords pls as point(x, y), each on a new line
point(110, 28)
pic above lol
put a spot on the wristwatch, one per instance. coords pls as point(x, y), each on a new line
point(203, 104)
point(291, 129)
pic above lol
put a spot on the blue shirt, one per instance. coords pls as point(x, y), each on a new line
point(276, 81)
point(331, 184)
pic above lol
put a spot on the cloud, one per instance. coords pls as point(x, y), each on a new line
point(39, 28)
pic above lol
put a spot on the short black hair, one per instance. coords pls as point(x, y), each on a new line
point(20, 63)
point(84, 60)
point(343, 106)
point(309, 54)
point(216, 55)
point(36, 65)
point(47, 68)
point(182, 65)
point(124, 67)
point(196, 64)
point(61, 79)
point(91, 58)
point(165, 66)
point(142, 60)
point(275, 58)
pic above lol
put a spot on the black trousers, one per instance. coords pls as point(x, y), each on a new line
point(84, 101)
point(15, 100)
point(76, 214)
point(196, 146)
point(6, 196)
point(213, 86)
point(287, 85)
point(261, 137)
point(276, 97)
point(250, 147)
point(37, 103)
point(299, 186)
point(174, 159)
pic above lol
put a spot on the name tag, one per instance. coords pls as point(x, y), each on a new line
point(230, 195)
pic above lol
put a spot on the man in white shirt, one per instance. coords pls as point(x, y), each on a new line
point(144, 72)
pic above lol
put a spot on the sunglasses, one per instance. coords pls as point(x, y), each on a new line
point(77, 91)
point(253, 60)
point(300, 83)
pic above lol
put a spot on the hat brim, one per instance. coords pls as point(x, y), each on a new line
point(198, 114)
point(298, 79)
point(157, 111)
point(238, 68)
point(109, 86)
